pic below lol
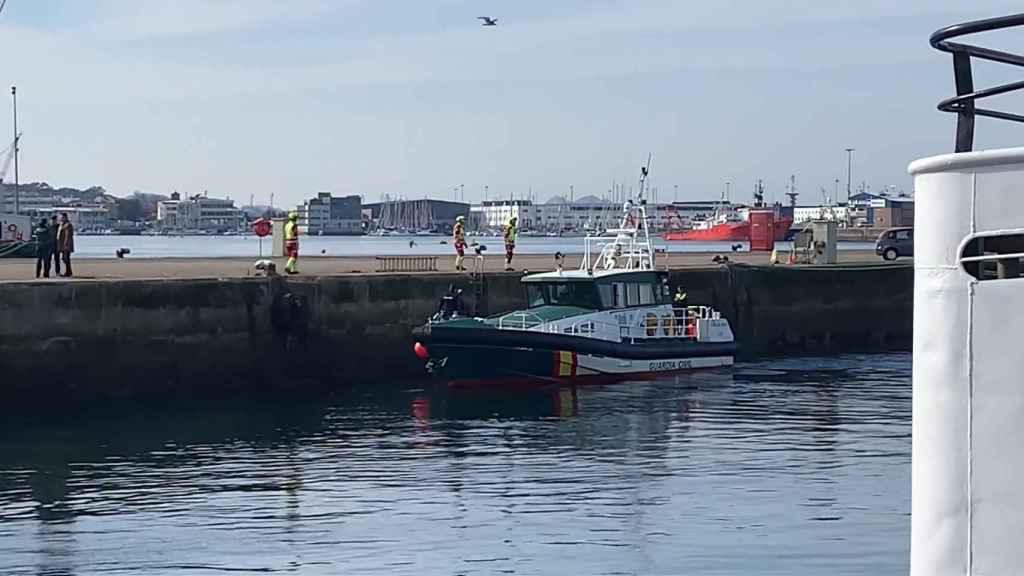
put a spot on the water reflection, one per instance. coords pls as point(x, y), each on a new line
point(794, 467)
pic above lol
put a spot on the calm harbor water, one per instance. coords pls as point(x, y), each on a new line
point(245, 246)
point(799, 466)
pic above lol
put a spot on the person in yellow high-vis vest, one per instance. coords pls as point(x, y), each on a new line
point(510, 242)
point(291, 243)
point(459, 240)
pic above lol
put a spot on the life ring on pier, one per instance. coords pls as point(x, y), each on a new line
point(668, 324)
point(651, 322)
point(12, 228)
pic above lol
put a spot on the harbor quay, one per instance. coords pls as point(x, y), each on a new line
point(123, 336)
point(236, 267)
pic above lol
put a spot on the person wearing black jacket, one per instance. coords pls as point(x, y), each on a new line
point(54, 226)
point(44, 248)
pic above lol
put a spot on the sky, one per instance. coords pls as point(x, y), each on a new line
point(248, 98)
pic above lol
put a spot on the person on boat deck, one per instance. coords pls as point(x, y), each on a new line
point(291, 243)
point(66, 242)
point(510, 242)
point(459, 240)
point(44, 248)
point(451, 304)
point(54, 228)
point(679, 309)
point(680, 298)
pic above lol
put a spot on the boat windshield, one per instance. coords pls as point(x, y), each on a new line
point(580, 294)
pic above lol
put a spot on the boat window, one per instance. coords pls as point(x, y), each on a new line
point(646, 294)
point(581, 294)
point(605, 291)
point(619, 298)
point(632, 294)
point(534, 295)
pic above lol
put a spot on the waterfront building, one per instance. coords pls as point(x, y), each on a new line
point(835, 213)
point(167, 212)
point(421, 215)
point(199, 213)
point(32, 201)
point(331, 216)
point(884, 210)
point(83, 218)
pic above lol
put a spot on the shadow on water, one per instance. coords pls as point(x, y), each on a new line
point(722, 461)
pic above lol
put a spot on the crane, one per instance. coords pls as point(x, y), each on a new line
point(8, 154)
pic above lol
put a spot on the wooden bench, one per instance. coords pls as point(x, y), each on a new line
point(406, 263)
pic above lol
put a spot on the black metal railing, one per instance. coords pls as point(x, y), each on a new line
point(963, 104)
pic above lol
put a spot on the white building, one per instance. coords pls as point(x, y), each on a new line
point(803, 214)
point(333, 216)
point(83, 218)
point(32, 202)
point(200, 213)
point(167, 213)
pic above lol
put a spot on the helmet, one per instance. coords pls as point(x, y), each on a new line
point(293, 215)
point(460, 218)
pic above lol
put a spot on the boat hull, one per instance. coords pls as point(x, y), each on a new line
point(727, 232)
point(466, 357)
point(17, 249)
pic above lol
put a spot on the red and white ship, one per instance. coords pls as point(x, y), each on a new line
point(730, 223)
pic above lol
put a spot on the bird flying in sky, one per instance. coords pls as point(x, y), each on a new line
point(488, 21)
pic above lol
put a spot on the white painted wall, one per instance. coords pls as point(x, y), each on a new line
point(968, 408)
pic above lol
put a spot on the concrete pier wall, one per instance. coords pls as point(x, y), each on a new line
point(186, 338)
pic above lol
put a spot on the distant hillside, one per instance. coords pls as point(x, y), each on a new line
point(44, 189)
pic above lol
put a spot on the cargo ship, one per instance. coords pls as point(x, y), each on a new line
point(731, 224)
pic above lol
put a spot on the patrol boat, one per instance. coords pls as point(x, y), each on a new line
point(610, 319)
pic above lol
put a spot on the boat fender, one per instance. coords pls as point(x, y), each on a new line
point(651, 322)
point(668, 324)
point(288, 315)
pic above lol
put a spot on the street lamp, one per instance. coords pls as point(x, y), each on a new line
point(849, 171)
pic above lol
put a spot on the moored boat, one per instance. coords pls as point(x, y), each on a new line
point(612, 318)
point(728, 223)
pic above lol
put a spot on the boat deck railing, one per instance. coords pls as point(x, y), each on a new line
point(519, 321)
point(964, 103)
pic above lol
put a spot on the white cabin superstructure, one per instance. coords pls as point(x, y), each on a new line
point(968, 407)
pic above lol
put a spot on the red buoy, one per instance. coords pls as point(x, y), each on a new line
point(421, 351)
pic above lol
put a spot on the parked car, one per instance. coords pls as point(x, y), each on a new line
point(895, 243)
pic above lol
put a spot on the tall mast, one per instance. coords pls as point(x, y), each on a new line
point(17, 197)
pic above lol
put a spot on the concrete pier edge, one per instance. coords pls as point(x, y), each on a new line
point(185, 338)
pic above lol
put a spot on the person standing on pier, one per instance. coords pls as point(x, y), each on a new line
point(54, 228)
point(459, 240)
point(66, 242)
point(291, 243)
point(510, 242)
point(44, 248)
